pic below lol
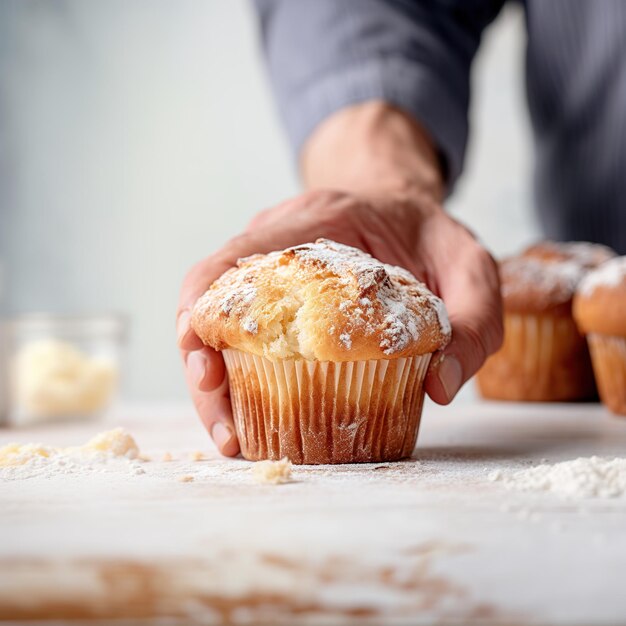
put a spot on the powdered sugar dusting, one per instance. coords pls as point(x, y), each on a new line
point(240, 295)
point(550, 271)
point(342, 261)
point(250, 325)
point(402, 324)
point(376, 302)
point(584, 253)
point(346, 340)
point(397, 291)
point(236, 297)
point(399, 327)
point(442, 315)
point(518, 273)
point(588, 254)
point(611, 274)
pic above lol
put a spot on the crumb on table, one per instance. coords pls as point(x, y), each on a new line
point(272, 472)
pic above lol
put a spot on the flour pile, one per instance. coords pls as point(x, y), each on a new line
point(114, 447)
point(592, 477)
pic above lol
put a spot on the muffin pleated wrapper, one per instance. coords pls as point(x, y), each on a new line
point(317, 412)
point(543, 358)
point(608, 354)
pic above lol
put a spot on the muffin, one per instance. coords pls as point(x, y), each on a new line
point(543, 357)
point(600, 312)
point(326, 350)
point(582, 253)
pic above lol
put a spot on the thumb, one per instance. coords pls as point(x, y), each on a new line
point(457, 363)
point(475, 309)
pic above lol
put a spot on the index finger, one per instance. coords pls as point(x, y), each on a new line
point(200, 278)
point(197, 281)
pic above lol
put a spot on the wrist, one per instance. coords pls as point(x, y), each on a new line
point(373, 148)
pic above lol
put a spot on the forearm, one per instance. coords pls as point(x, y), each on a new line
point(373, 148)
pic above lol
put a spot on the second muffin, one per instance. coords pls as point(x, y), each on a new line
point(326, 350)
point(544, 357)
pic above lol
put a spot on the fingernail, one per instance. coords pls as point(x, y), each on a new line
point(196, 364)
point(221, 435)
point(450, 375)
point(182, 326)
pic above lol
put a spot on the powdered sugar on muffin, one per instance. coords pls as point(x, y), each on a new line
point(546, 275)
point(324, 301)
point(530, 283)
point(600, 302)
point(582, 253)
point(610, 274)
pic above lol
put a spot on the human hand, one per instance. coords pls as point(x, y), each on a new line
point(404, 228)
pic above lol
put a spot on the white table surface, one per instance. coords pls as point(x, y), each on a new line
point(429, 540)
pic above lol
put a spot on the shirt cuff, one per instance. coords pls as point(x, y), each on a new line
point(401, 82)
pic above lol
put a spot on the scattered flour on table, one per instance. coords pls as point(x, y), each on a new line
point(114, 447)
point(591, 477)
point(116, 451)
point(231, 472)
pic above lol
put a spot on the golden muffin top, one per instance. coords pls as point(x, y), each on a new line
point(321, 301)
point(600, 301)
point(544, 277)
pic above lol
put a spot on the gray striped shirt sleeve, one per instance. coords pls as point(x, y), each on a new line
point(324, 55)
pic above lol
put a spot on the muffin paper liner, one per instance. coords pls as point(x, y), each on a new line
point(544, 358)
point(326, 412)
point(609, 365)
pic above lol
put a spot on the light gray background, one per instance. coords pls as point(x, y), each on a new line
point(135, 137)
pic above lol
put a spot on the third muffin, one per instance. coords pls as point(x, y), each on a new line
point(600, 311)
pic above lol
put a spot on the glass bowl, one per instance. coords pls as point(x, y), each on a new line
point(60, 366)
